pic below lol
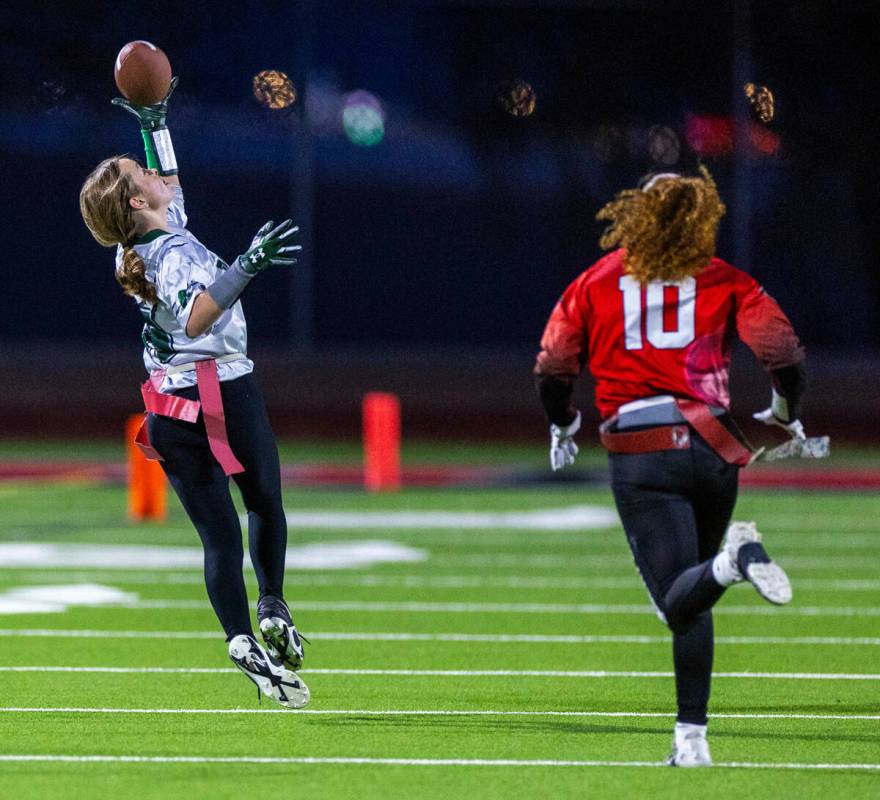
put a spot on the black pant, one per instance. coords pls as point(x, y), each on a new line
point(675, 506)
point(203, 490)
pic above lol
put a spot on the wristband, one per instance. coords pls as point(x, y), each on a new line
point(226, 290)
point(566, 431)
point(779, 407)
point(164, 150)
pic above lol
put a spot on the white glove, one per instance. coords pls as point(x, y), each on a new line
point(562, 446)
point(778, 415)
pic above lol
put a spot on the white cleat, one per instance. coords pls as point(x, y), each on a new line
point(689, 746)
point(754, 565)
point(272, 678)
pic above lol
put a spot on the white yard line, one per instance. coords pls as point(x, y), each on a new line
point(498, 638)
point(128, 670)
point(373, 712)
point(409, 762)
point(321, 555)
point(61, 633)
point(869, 562)
point(550, 519)
point(417, 607)
point(196, 578)
point(349, 554)
point(796, 522)
point(792, 542)
point(838, 584)
point(462, 673)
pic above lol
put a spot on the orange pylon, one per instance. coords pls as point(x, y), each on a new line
point(381, 413)
point(147, 485)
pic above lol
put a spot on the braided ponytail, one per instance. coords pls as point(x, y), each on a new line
point(103, 204)
point(130, 275)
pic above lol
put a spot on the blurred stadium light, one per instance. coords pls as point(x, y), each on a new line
point(363, 118)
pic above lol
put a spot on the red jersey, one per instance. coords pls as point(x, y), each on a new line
point(675, 338)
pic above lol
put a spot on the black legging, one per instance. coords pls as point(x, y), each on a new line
point(675, 506)
point(203, 490)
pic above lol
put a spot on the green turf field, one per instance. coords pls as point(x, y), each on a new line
point(496, 661)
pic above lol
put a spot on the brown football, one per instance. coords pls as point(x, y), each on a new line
point(142, 73)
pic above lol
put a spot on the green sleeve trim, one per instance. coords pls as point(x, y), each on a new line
point(150, 150)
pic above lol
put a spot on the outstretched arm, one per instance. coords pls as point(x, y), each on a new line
point(270, 247)
point(158, 148)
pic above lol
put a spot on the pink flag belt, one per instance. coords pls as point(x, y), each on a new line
point(210, 403)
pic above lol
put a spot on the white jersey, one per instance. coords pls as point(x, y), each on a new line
point(181, 268)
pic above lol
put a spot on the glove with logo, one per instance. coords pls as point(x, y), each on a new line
point(562, 446)
point(270, 247)
point(157, 139)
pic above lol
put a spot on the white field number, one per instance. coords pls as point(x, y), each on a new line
point(662, 339)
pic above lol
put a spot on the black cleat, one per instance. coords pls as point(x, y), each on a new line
point(280, 634)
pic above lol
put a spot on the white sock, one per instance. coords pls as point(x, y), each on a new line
point(725, 572)
point(683, 728)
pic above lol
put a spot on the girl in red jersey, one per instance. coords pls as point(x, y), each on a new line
point(655, 321)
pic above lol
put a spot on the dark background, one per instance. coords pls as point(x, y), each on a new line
point(434, 257)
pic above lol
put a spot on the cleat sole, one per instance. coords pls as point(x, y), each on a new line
point(295, 692)
point(771, 582)
point(292, 691)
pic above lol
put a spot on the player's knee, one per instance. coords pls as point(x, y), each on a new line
point(661, 612)
point(675, 620)
point(265, 502)
point(680, 623)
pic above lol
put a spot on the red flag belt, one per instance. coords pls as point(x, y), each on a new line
point(677, 437)
point(666, 437)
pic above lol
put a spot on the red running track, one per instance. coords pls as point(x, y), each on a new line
point(429, 475)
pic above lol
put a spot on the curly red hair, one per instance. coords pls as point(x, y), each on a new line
point(669, 230)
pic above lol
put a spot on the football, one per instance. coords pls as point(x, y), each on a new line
point(142, 73)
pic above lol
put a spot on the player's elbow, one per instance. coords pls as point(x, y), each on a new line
point(205, 312)
point(194, 330)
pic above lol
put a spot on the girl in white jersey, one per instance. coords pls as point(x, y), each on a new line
point(207, 417)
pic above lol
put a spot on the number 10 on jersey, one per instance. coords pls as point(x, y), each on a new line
point(652, 310)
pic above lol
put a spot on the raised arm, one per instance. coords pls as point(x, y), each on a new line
point(158, 148)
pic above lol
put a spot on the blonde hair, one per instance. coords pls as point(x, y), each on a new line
point(668, 230)
point(103, 203)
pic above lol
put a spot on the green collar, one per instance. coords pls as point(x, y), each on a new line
point(149, 236)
